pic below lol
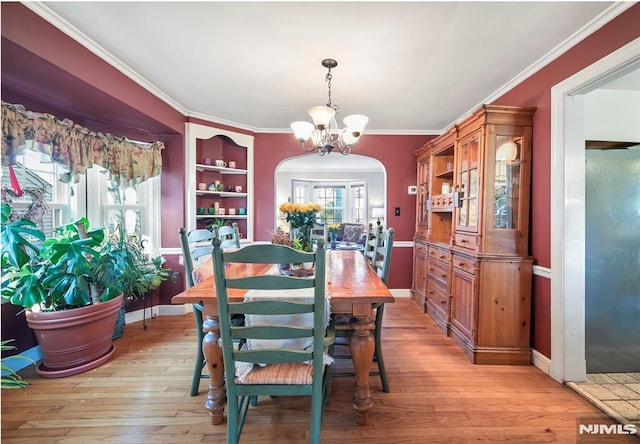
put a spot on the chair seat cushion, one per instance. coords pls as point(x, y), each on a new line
point(295, 373)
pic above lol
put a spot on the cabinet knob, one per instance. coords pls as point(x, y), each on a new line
point(430, 268)
point(442, 256)
point(461, 264)
point(443, 301)
point(443, 275)
point(463, 241)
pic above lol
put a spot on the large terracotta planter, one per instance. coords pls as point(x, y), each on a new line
point(74, 341)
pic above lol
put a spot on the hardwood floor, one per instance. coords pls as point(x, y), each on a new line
point(437, 396)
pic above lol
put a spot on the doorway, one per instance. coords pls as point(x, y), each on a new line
point(612, 266)
point(568, 357)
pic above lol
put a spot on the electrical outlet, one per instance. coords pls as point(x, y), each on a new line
point(396, 211)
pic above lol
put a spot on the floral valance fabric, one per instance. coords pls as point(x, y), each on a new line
point(76, 147)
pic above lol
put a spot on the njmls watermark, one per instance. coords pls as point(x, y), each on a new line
point(607, 429)
point(594, 428)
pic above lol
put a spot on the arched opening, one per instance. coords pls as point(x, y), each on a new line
point(358, 182)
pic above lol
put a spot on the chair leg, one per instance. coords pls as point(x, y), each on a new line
point(199, 364)
point(317, 402)
point(378, 350)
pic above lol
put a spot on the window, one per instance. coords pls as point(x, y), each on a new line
point(95, 196)
point(34, 170)
point(333, 203)
point(342, 201)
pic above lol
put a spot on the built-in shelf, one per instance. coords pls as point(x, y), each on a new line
point(222, 170)
point(221, 216)
point(220, 193)
point(208, 142)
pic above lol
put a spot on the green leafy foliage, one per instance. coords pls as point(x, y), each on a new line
point(10, 379)
point(17, 239)
point(75, 268)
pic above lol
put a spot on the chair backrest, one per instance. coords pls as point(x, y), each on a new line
point(195, 245)
point(228, 235)
point(374, 239)
point(382, 254)
point(271, 305)
point(319, 232)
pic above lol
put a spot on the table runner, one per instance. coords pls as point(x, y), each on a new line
point(304, 295)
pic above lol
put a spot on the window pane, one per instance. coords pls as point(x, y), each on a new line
point(359, 203)
point(332, 201)
point(38, 176)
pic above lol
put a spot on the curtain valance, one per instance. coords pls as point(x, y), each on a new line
point(76, 147)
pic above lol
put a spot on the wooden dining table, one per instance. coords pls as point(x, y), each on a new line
point(353, 288)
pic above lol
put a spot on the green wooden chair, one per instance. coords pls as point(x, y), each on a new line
point(288, 371)
point(319, 232)
point(343, 329)
point(196, 245)
point(228, 235)
point(373, 242)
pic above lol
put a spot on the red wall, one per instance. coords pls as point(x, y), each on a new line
point(536, 91)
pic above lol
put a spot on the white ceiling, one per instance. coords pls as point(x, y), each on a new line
point(412, 67)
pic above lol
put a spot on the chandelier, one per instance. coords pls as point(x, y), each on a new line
point(324, 135)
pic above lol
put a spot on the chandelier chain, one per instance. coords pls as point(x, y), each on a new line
point(328, 80)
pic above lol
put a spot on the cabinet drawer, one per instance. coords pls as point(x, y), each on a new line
point(464, 264)
point(420, 248)
point(465, 241)
point(439, 273)
point(442, 202)
point(421, 232)
point(439, 300)
point(439, 255)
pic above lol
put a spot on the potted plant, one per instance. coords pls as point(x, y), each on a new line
point(71, 288)
point(142, 273)
point(279, 237)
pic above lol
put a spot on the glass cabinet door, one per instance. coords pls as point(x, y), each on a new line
point(467, 184)
point(506, 191)
point(423, 192)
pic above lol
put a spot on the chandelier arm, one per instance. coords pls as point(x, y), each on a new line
point(306, 148)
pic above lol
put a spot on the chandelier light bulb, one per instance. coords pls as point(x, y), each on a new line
point(355, 124)
point(302, 130)
point(321, 116)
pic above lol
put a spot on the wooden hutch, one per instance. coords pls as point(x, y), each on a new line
point(472, 272)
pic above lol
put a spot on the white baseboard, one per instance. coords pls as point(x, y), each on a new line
point(157, 310)
point(400, 292)
point(540, 361)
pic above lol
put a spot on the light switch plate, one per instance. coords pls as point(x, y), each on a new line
point(412, 190)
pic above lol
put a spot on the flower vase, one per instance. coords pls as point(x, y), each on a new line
point(334, 240)
point(303, 235)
